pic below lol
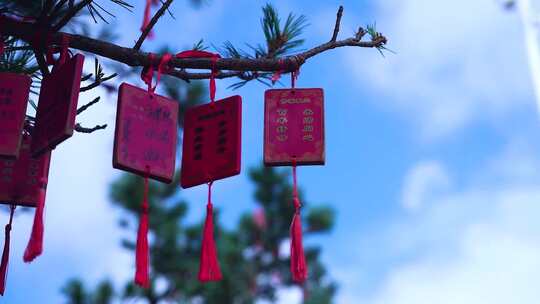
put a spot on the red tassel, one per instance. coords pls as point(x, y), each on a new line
point(5, 253)
point(35, 243)
point(298, 260)
point(209, 266)
point(141, 255)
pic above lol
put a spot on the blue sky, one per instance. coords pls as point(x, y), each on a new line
point(432, 160)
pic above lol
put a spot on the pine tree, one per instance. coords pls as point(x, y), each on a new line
point(251, 261)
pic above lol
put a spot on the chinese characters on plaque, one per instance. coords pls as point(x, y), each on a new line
point(57, 107)
point(294, 127)
point(212, 142)
point(146, 133)
point(22, 180)
point(14, 90)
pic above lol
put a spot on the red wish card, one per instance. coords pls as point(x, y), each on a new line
point(146, 133)
point(24, 179)
point(57, 107)
point(212, 142)
point(14, 90)
point(293, 127)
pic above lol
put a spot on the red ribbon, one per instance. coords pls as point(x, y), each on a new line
point(147, 73)
point(277, 74)
point(298, 259)
point(294, 76)
point(213, 74)
point(141, 254)
point(209, 269)
point(5, 253)
point(62, 49)
point(146, 18)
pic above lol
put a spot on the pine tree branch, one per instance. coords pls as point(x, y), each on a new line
point(70, 14)
point(232, 67)
point(96, 83)
point(150, 25)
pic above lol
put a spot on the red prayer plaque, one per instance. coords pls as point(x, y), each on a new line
point(146, 133)
point(14, 90)
point(293, 127)
point(57, 107)
point(212, 142)
point(22, 180)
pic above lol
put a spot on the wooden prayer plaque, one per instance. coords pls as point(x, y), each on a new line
point(294, 127)
point(57, 107)
point(24, 180)
point(14, 90)
point(212, 142)
point(146, 133)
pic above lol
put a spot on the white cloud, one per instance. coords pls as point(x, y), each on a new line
point(494, 260)
point(456, 61)
point(423, 181)
point(477, 245)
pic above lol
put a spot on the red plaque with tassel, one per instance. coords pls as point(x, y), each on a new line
point(212, 142)
point(23, 182)
point(294, 135)
point(293, 127)
point(57, 107)
point(146, 133)
point(14, 90)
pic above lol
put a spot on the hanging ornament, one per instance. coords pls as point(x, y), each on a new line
point(57, 107)
point(146, 133)
point(23, 182)
point(145, 144)
point(212, 142)
point(211, 151)
point(14, 90)
point(294, 135)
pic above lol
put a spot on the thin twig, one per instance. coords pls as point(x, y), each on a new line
point(150, 25)
point(88, 105)
point(70, 14)
point(97, 83)
point(338, 22)
point(82, 129)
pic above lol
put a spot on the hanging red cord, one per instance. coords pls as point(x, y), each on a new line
point(5, 253)
point(298, 260)
point(147, 74)
point(203, 54)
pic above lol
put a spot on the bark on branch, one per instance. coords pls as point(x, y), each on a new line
point(229, 67)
